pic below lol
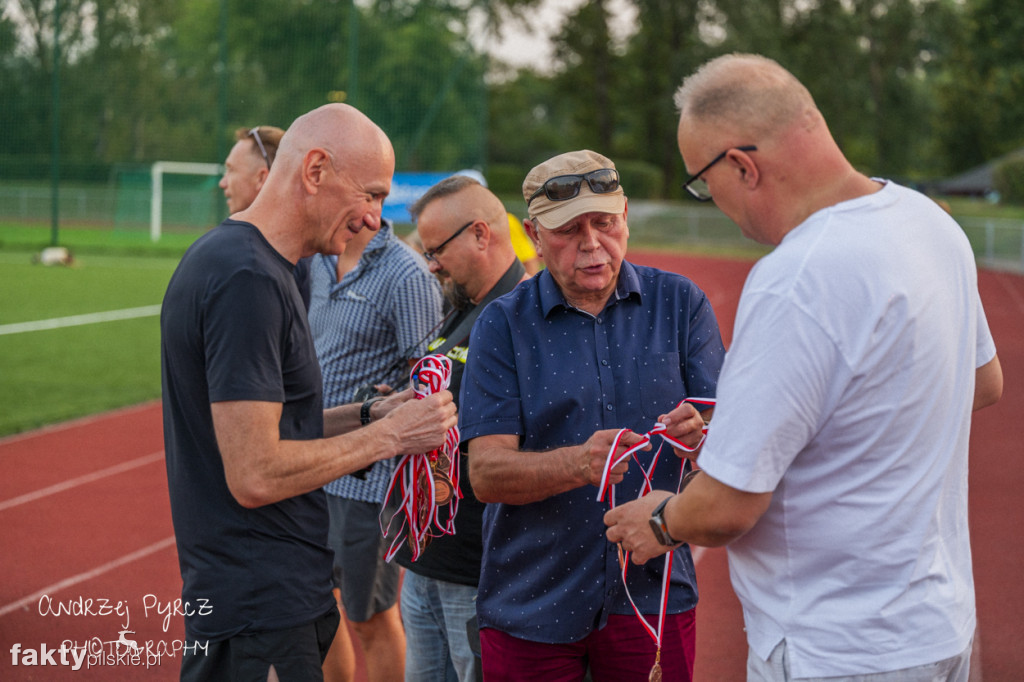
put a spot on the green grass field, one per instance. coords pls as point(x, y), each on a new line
point(54, 375)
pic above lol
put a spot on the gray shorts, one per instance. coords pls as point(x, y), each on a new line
point(368, 584)
point(776, 669)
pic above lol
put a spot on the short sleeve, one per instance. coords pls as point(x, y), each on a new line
point(986, 345)
point(489, 401)
point(780, 377)
point(705, 350)
point(244, 335)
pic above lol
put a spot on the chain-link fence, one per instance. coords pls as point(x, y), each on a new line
point(129, 83)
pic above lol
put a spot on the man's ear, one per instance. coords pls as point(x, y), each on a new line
point(531, 228)
point(314, 169)
point(744, 164)
point(261, 177)
point(482, 233)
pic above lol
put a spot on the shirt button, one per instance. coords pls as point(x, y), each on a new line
point(604, 362)
point(610, 407)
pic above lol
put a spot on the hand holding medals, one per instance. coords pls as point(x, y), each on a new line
point(606, 489)
point(429, 480)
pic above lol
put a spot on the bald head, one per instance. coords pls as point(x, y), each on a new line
point(346, 133)
point(329, 181)
point(746, 94)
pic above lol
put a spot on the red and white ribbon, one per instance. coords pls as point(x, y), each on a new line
point(419, 509)
point(608, 490)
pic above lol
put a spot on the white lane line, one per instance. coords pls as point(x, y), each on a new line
point(88, 575)
point(76, 320)
point(82, 480)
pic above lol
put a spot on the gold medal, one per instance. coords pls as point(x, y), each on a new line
point(655, 675)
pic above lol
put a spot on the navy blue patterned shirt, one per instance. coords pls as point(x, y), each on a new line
point(553, 375)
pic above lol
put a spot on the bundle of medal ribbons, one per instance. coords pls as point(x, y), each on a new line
point(428, 481)
point(607, 490)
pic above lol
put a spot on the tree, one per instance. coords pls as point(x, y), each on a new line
point(666, 47)
point(588, 76)
point(982, 86)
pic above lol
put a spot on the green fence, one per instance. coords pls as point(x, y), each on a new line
point(131, 83)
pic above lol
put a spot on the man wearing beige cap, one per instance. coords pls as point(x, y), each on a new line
point(588, 347)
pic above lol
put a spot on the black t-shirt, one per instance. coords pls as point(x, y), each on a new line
point(456, 558)
point(233, 327)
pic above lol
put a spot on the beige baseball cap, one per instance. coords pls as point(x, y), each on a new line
point(551, 214)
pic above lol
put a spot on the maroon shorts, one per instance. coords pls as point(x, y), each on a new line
point(622, 651)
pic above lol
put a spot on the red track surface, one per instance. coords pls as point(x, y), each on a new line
point(84, 514)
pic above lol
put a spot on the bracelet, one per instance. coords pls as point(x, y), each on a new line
point(364, 411)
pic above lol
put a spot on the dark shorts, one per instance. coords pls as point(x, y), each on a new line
point(295, 654)
point(368, 584)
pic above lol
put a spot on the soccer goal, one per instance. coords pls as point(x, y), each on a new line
point(157, 173)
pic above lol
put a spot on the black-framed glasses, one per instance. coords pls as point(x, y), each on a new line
point(431, 255)
point(696, 185)
point(255, 132)
point(565, 187)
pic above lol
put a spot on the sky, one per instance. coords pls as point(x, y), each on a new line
point(531, 46)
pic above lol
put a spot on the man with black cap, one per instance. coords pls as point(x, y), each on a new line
point(589, 347)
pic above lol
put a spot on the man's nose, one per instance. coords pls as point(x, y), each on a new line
point(372, 220)
point(588, 238)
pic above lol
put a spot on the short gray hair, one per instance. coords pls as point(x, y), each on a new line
point(747, 91)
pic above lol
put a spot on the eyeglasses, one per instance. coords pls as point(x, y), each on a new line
point(431, 255)
point(696, 185)
point(255, 132)
point(565, 187)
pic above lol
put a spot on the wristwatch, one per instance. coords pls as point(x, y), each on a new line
point(657, 519)
point(659, 526)
point(364, 411)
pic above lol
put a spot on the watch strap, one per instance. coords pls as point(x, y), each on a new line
point(364, 410)
point(659, 526)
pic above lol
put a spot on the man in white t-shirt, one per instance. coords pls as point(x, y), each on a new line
point(836, 467)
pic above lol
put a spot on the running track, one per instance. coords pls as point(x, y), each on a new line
point(84, 515)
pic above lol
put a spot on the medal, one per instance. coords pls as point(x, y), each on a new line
point(443, 488)
point(607, 490)
point(426, 481)
point(418, 544)
point(655, 675)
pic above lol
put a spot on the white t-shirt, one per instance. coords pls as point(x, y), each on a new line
point(848, 391)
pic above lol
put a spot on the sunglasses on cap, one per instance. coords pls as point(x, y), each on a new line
point(565, 187)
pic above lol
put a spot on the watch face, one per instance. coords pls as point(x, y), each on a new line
point(659, 532)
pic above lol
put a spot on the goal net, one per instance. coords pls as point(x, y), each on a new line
point(168, 195)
